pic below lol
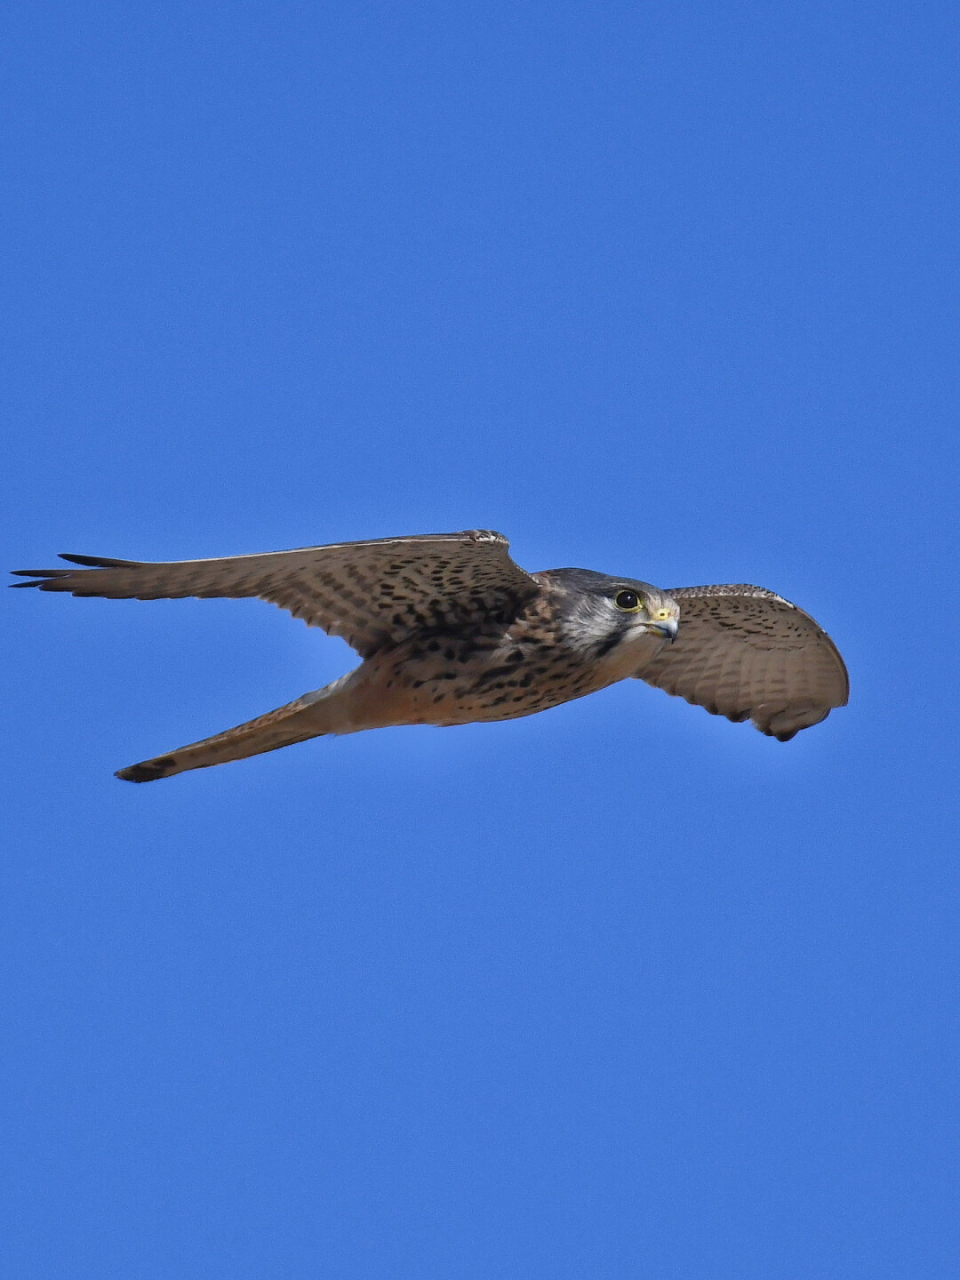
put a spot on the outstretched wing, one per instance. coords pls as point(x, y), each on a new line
point(370, 593)
point(745, 653)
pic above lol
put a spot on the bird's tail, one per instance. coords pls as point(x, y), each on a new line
point(311, 716)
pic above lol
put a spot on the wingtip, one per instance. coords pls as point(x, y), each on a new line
point(41, 576)
point(95, 562)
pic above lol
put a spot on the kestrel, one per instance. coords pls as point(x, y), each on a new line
point(452, 631)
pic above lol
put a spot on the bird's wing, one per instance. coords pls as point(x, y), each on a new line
point(745, 653)
point(370, 593)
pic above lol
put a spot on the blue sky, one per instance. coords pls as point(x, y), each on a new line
point(665, 290)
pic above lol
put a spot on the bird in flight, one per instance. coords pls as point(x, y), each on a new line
point(452, 631)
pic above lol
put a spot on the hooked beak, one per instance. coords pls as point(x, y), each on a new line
point(668, 629)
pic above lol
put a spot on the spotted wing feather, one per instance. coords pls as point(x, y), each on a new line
point(746, 653)
point(370, 593)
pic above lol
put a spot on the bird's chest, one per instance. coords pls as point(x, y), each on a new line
point(458, 679)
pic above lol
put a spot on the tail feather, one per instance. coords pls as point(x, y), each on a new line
point(306, 717)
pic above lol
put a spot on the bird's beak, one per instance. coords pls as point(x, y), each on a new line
point(668, 629)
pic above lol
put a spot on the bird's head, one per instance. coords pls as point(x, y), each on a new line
point(604, 615)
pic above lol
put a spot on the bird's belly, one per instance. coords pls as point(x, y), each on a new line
point(452, 686)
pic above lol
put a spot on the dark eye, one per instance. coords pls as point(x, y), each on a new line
point(628, 600)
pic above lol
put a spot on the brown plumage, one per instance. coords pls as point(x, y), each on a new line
point(452, 631)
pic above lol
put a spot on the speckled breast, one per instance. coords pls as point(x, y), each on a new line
point(495, 674)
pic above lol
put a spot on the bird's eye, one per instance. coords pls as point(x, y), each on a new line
point(629, 601)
